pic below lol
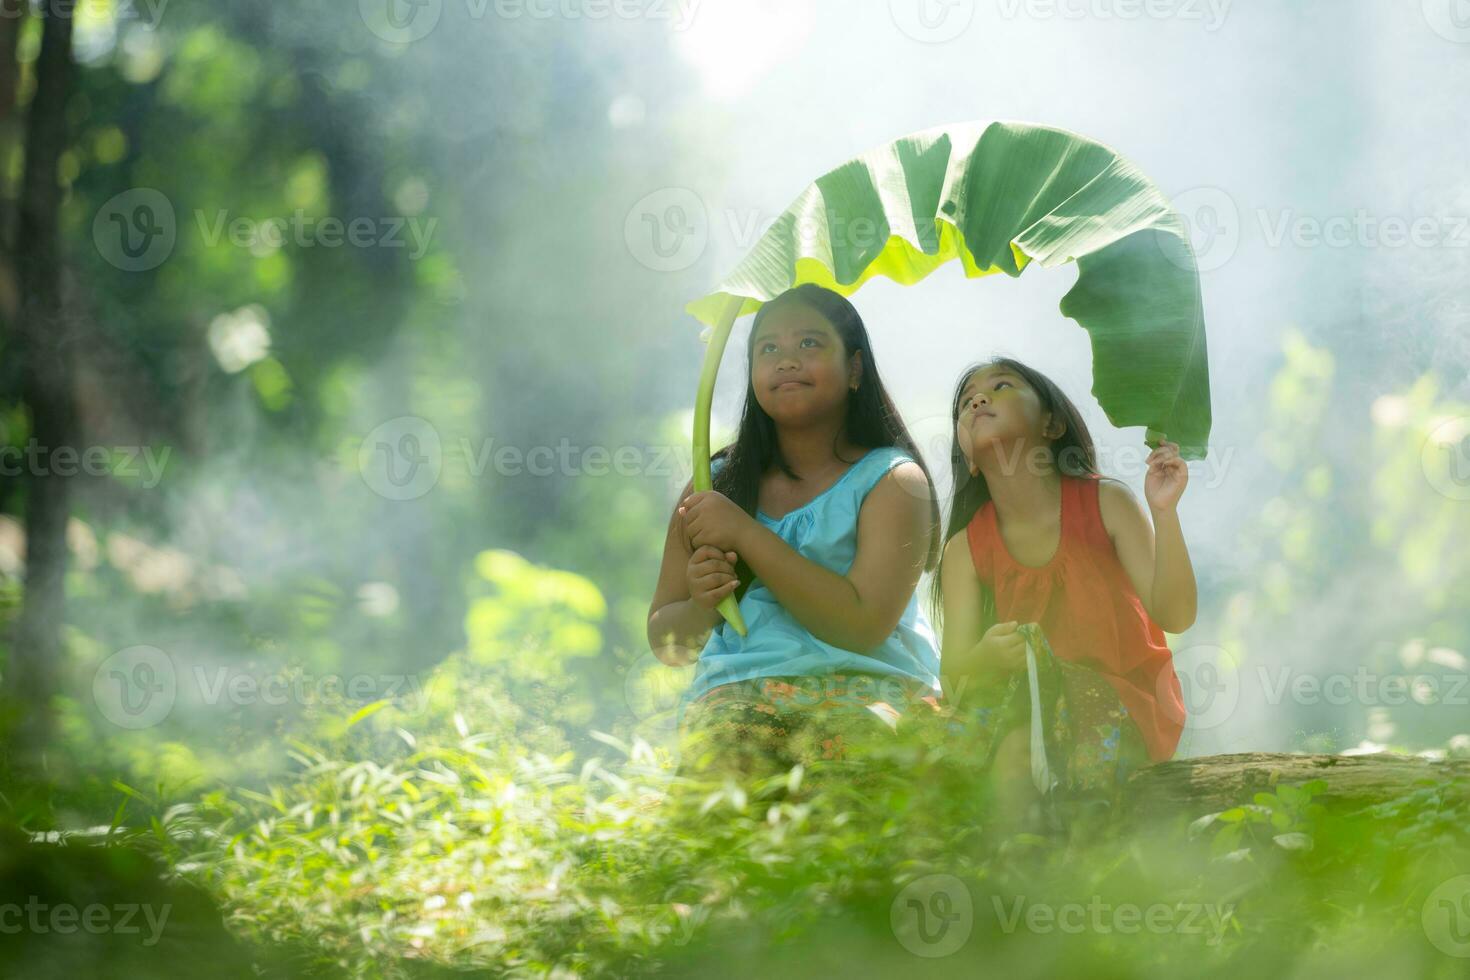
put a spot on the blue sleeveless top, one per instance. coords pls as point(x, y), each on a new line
point(823, 530)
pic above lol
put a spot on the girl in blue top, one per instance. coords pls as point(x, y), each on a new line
point(821, 521)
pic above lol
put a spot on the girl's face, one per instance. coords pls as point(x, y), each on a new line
point(998, 408)
point(798, 367)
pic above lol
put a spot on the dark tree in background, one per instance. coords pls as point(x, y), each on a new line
point(45, 338)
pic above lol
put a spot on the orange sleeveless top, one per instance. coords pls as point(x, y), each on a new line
point(1088, 609)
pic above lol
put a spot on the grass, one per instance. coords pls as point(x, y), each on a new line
point(464, 852)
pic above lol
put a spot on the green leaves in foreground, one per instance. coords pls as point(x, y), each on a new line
point(470, 852)
point(997, 196)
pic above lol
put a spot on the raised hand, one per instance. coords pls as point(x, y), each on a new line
point(1167, 477)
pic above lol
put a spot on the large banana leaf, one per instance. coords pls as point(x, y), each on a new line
point(998, 196)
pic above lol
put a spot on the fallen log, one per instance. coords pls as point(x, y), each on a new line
point(1211, 783)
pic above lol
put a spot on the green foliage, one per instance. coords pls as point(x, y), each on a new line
point(466, 850)
point(557, 611)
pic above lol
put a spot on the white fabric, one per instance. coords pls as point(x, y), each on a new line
point(1040, 771)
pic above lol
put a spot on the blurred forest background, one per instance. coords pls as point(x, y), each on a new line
point(345, 382)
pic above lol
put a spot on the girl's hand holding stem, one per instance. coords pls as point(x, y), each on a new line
point(711, 518)
point(711, 576)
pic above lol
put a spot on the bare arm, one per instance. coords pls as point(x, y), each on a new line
point(964, 659)
point(856, 611)
point(959, 587)
point(677, 626)
point(1158, 566)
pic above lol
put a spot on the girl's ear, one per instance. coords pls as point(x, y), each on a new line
point(855, 371)
point(1054, 428)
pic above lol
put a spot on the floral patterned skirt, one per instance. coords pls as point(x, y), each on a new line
point(769, 724)
point(1086, 741)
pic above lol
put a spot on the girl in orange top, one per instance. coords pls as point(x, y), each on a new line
point(1040, 548)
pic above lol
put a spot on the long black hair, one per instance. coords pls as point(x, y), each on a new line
point(1072, 454)
point(872, 420)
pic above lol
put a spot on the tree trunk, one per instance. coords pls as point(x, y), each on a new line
point(1212, 783)
point(46, 355)
point(12, 17)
